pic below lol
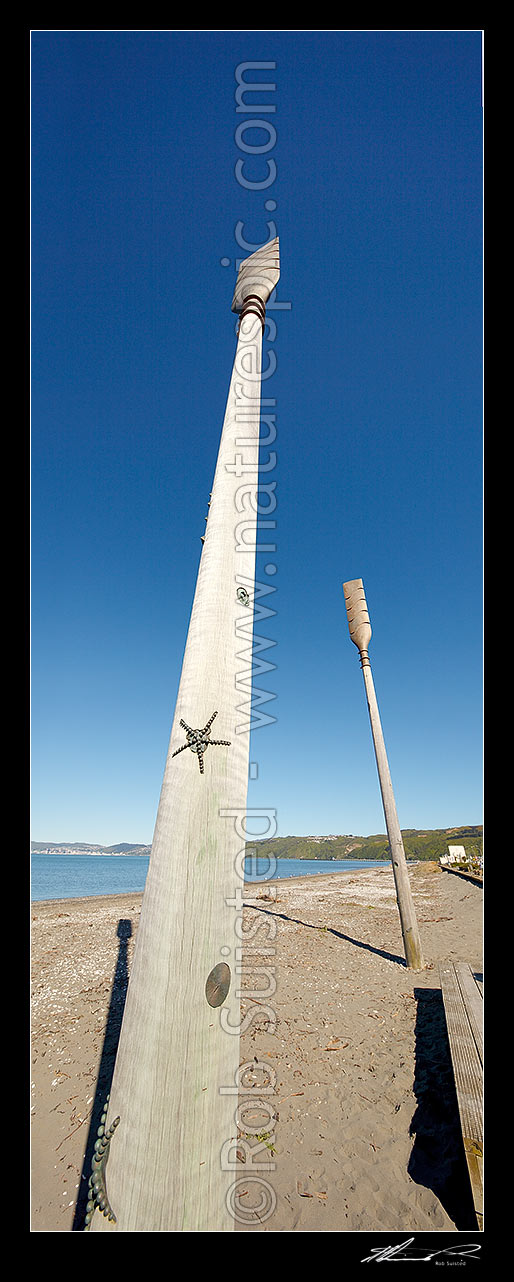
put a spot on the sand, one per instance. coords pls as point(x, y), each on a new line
point(361, 1129)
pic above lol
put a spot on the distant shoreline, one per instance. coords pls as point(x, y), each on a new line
point(94, 854)
point(249, 892)
point(126, 854)
point(419, 843)
point(249, 888)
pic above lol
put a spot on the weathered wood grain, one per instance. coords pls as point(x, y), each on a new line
point(360, 633)
point(177, 1053)
point(461, 996)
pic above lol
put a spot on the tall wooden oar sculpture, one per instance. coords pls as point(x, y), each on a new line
point(360, 633)
point(161, 1167)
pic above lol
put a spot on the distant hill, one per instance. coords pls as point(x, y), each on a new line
point(418, 844)
point(86, 848)
point(126, 849)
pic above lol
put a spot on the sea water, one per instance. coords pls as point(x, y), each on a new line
point(79, 876)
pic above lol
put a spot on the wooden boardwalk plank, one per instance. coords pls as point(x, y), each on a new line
point(461, 996)
point(474, 1004)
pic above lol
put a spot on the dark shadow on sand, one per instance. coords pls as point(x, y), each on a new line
point(437, 1160)
point(107, 1061)
point(358, 943)
point(464, 876)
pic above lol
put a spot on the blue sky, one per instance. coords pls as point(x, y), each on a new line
point(374, 170)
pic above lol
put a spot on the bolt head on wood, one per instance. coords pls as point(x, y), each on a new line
point(259, 274)
point(357, 611)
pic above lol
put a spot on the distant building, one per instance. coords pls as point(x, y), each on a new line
point(457, 855)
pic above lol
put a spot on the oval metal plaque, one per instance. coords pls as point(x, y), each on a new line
point(218, 984)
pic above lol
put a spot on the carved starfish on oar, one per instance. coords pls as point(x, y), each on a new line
point(199, 740)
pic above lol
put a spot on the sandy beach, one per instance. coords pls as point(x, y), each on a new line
point(359, 1126)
